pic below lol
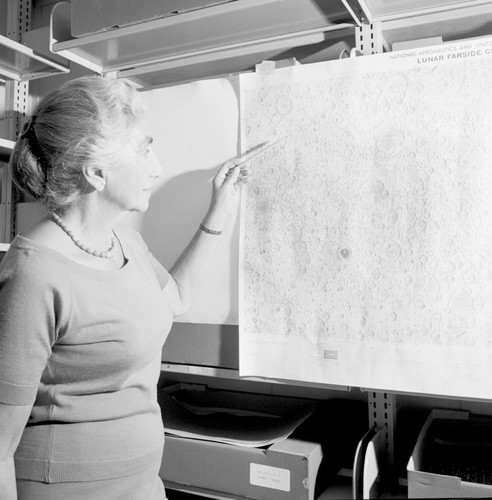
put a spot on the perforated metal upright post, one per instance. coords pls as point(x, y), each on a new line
point(382, 405)
point(16, 107)
point(382, 414)
point(369, 39)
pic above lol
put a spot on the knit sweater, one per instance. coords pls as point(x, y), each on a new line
point(83, 346)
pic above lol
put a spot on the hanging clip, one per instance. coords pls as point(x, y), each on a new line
point(267, 66)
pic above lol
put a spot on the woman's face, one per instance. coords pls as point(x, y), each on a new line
point(129, 183)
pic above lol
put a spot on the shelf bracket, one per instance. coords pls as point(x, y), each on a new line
point(356, 11)
point(60, 29)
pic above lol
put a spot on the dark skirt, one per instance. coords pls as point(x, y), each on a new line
point(146, 485)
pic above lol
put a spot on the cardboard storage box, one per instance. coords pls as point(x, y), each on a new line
point(237, 443)
point(283, 471)
point(452, 457)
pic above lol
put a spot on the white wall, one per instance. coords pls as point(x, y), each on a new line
point(195, 129)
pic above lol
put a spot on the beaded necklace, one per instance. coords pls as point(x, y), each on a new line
point(107, 254)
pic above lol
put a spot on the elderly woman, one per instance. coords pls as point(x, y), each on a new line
point(85, 308)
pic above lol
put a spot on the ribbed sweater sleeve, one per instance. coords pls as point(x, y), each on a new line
point(30, 301)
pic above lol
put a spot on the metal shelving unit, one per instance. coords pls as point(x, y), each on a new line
point(209, 42)
point(233, 37)
point(20, 63)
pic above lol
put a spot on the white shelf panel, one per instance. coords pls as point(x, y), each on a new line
point(175, 40)
point(452, 25)
point(19, 62)
point(6, 148)
point(382, 10)
point(232, 374)
point(308, 46)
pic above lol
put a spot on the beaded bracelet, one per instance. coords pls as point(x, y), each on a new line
point(207, 230)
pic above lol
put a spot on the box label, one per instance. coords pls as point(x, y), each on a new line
point(269, 477)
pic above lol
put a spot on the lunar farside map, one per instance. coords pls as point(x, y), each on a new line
point(366, 231)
